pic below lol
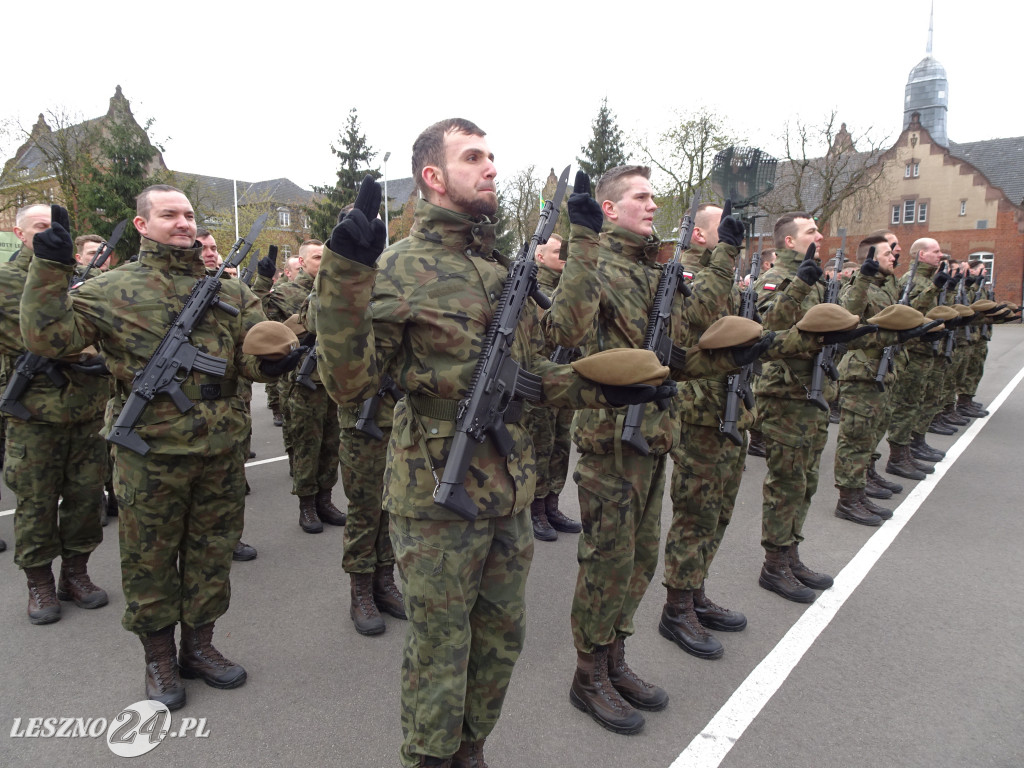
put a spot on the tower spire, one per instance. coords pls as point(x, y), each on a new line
point(931, 18)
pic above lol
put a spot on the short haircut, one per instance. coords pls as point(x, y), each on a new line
point(81, 240)
point(19, 217)
point(143, 206)
point(867, 242)
point(786, 226)
point(202, 232)
point(882, 233)
point(306, 245)
point(613, 182)
point(428, 149)
point(918, 245)
point(699, 217)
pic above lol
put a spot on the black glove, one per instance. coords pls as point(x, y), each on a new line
point(360, 235)
point(870, 266)
point(307, 340)
point(54, 244)
point(809, 271)
point(267, 266)
point(845, 337)
point(92, 366)
point(954, 279)
point(584, 211)
point(913, 333)
point(59, 215)
point(742, 356)
point(280, 367)
point(634, 394)
point(933, 336)
point(940, 278)
point(730, 230)
point(970, 280)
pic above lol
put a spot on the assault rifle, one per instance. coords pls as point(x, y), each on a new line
point(961, 298)
point(175, 357)
point(951, 333)
point(657, 338)
point(824, 361)
point(366, 421)
point(249, 270)
point(304, 373)
point(885, 364)
point(497, 378)
point(102, 253)
point(738, 384)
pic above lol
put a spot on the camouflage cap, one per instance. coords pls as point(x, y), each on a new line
point(897, 317)
point(294, 325)
point(983, 305)
point(622, 367)
point(270, 339)
point(827, 318)
point(963, 310)
point(942, 312)
point(730, 331)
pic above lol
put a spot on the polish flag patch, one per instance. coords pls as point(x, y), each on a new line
point(769, 286)
point(688, 275)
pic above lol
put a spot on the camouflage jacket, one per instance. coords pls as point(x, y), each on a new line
point(422, 316)
point(286, 299)
point(924, 297)
point(126, 312)
point(866, 297)
point(84, 396)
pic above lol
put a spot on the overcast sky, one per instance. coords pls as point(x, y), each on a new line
point(261, 94)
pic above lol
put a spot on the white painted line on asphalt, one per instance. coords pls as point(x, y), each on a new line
point(4, 512)
point(710, 746)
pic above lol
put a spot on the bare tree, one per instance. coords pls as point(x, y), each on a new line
point(519, 210)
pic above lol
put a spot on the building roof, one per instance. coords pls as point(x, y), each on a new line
point(218, 193)
point(1001, 160)
point(400, 190)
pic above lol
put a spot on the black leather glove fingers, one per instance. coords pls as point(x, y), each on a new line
point(358, 236)
point(584, 211)
point(933, 336)
point(267, 266)
point(845, 337)
point(730, 230)
point(280, 367)
point(307, 340)
point(634, 394)
point(59, 214)
point(809, 271)
point(940, 278)
point(742, 356)
point(870, 266)
point(54, 244)
point(913, 333)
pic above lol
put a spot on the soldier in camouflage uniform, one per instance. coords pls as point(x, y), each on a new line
point(549, 427)
point(433, 298)
point(55, 458)
point(966, 405)
point(182, 502)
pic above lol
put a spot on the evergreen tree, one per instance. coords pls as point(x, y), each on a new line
point(606, 148)
point(354, 158)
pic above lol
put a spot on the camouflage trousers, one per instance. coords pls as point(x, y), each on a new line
point(362, 461)
point(954, 375)
point(914, 398)
point(705, 481)
point(549, 428)
point(975, 368)
point(314, 437)
point(864, 416)
point(795, 433)
point(180, 518)
point(620, 507)
point(464, 586)
point(274, 397)
point(56, 473)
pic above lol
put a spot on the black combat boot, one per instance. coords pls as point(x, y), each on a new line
point(326, 510)
point(628, 683)
point(386, 594)
point(901, 463)
point(559, 521)
point(679, 623)
point(76, 585)
point(756, 446)
point(776, 576)
point(919, 449)
point(428, 761)
point(850, 508)
point(363, 610)
point(834, 413)
point(43, 605)
point(278, 421)
point(713, 616)
point(805, 575)
point(870, 506)
point(921, 466)
point(950, 416)
point(541, 527)
point(163, 683)
point(939, 427)
point(3, 547)
point(243, 552)
point(592, 692)
point(308, 520)
point(198, 658)
point(881, 480)
point(470, 755)
point(965, 406)
point(111, 499)
point(874, 490)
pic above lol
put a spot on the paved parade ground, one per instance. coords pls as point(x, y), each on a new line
point(914, 659)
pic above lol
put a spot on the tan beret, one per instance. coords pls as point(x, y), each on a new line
point(622, 367)
point(942, 312)
point(294, 325)
point(826, 318)
point(897, 317)
point(983, 305)
point(270, 339)
point(730, 331)
point(963, 310)
point(80, 357)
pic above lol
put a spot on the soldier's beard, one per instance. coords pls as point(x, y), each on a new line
point(474, 206)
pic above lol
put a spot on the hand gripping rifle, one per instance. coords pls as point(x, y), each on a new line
point(175, 358)
point(961, 298)
point(738, 384)
point(102, 253)
point(366, 421)
point(304, 372)
point(657, 338)
point(824, 361)
point(497, 378)
point(885, 364)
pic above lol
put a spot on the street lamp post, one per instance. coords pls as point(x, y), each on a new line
point(387, 228)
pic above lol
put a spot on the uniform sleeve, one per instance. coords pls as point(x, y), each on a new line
point(782, 307)
point(711, 289)
point(573, 315)
point(252, 313)
point(56, 325)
